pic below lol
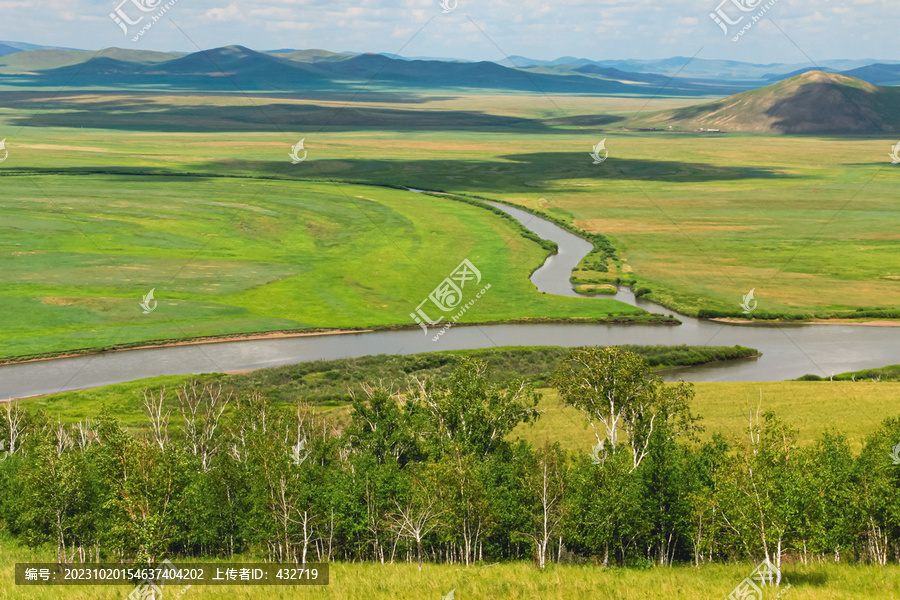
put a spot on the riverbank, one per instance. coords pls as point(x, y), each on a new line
point(647, 319)
point(789, 350)
point(327, 383)
point(603, 249)
point(860, 322)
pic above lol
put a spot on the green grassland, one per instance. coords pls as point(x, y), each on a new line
point(809, 222)
point(516, 581)
point(244, 255)
point(855, 409)
point(109, 195)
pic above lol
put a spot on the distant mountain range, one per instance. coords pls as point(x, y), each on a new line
point(224, 69)
point(289, 70)
point(22, 46)
point(810, 103)
point(686, 67)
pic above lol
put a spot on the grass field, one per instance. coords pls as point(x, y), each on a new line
point(809, 222)
point(515, 581)
point(856, 409)
point(242, 255)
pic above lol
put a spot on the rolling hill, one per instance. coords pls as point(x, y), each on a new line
point(811, 103)
point(879, 74)
point(235, 68)
point(5, 50)
point(310, 56)
point(699, 68)
point(32, 61)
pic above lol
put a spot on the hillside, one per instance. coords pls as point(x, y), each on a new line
point(31, 61)
point(230, 67)
point(879, 74)
point(311, 55)
point(811, 103)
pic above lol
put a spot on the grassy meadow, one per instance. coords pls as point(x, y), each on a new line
point(195, 195)
point(516, 581)
point(243, 255)
point(856, 409)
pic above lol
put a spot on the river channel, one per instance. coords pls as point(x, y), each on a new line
point(788, 351)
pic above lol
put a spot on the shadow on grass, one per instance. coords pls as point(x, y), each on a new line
point(815, 579)
point(146, 114)
point(25, 100)
point(516, 173)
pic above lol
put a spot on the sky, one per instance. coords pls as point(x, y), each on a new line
point(789, 31)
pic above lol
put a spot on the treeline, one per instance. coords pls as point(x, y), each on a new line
point(328, 381)
point(889, 373)
point(859, 313)
point(431, 473)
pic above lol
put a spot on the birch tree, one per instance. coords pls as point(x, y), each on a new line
point(544, 478)
point(615, 389)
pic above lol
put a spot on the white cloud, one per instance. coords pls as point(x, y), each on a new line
point(229, 13)
point(537, 28)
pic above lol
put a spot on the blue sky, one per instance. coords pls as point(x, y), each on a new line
point(476, 29)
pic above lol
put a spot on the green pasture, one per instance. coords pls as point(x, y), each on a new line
point(228, 255)
point(516, 581)
point(109, 195)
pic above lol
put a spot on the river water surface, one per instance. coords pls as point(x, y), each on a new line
point(788, 351)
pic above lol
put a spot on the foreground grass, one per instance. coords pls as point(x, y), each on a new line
point(354, 581)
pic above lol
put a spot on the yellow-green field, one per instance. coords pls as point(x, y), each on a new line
point(513, 581)
point(699, 220)
point(855, 408)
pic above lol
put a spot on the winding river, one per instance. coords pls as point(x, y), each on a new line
point(788, 351)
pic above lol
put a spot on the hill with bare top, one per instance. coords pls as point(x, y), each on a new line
point(811, 103)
